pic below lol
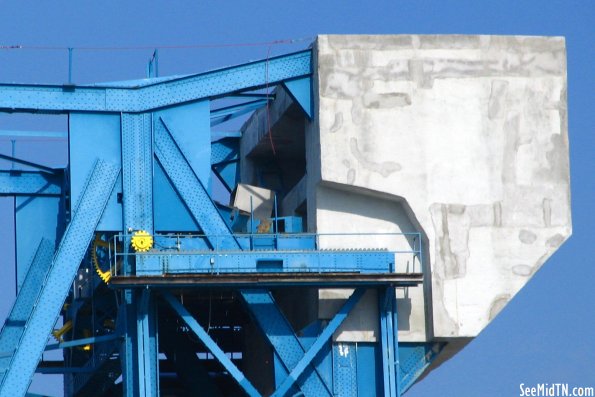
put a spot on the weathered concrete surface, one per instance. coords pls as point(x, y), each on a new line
point(461, 137)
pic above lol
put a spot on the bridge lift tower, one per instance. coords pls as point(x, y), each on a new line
point(162, 290)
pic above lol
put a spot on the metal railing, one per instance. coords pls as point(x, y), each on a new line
point(406, 247)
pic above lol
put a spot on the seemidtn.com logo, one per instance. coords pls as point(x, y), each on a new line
point(555, 390)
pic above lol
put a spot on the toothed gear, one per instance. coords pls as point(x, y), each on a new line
point(141, 241)
point(99, 244)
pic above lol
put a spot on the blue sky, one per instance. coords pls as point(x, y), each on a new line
point(547, 333)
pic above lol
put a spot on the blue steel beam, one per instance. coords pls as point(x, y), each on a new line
point(211, 345)
point(23, 306)
point(322, 339)
point(65, 263)
point(83, 341)
point(301, 91)
point(180, 352)
point(29, 183)
point(222, 115)
point(414, 359)
point(224, 150)
point(388, 341)
point(40, 167)
point(190, 189)
point(283, 340)
point(56, 135)
point(148, 371)
point(260, 302)
point(250, 76)
point(137, 185)
point(137, 172)
point(174, 262)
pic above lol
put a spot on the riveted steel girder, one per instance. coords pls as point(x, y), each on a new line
point(65, 263)
point(163, 93)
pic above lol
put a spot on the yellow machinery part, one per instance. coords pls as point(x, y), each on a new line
point(104, 275)
point(58, 333)
point(141, 241)
point(86, 334)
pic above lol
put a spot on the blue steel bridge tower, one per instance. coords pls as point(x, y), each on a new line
point(161, 290)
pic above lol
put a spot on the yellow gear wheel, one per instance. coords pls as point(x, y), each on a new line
point(105, 275)
point(141, 241)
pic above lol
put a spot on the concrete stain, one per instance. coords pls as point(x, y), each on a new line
point(338, 123)
point(497, 208)
point(527, 236)
point(497, 94)
point(498, 304)
point(454, 255)
point(555, 240)
point(384, 168)
point(547, 212)
point(386, 101)
point(522, 270)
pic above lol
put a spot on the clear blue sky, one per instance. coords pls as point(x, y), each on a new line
point(547, 333)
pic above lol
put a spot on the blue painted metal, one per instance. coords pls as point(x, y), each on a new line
point(40, 167)
point(189, 125)
point(83, 341)
point(224, 150)
point(137, 171)
point(332, 326)
point(98, 372)
point(35, 218)
point(369, 378)
point(23, 306)
point(389, 348)
point(65, 263)
point(222, 115)
point(228, 174)
point(34, 134)
point(190, 188)
point(250, 76)
point(414, 359)
point(169, 213)
point(173, 261)
point(96, 136)
point(158, 132)
point(345, 369)
point(29, 183)
point(301, 91)
point(211, 345)
point(146, 346)
point(283, 340)
point(127, 322)
point(180, 352)
point(137, 176)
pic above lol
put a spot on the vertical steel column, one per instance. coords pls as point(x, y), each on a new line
point(146, 344)
point(140, 377)
point(388, 341)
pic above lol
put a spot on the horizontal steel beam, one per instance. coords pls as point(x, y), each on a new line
point(50, 170)
point(56, 135)
point(174, 262)
point(222, 115)
point(162, 93)
point(343, 280)
point(29, 183)
point(83, 341)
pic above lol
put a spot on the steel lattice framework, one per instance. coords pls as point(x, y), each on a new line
point(138, 163)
